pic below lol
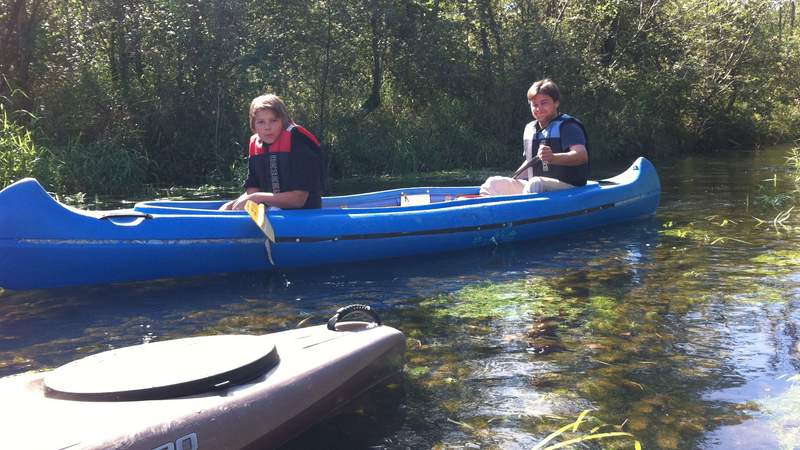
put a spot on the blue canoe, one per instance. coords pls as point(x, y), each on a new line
point(46, 244)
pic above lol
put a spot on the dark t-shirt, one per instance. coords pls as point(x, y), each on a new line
point(571, 134)
point(297, 170)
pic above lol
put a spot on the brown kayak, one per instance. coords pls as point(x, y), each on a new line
point(210, 392)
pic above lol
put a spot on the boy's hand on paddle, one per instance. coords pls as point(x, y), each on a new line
point(239, 202)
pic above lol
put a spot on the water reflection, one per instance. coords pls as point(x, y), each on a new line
point(681, 329)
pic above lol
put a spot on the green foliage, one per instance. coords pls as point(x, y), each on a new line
point(395, 86)
point(112, 165)
point(18, 152)
point(433, 139)
point(782, 122)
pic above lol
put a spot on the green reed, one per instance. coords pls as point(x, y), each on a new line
point(593, 434)
point(18, 152)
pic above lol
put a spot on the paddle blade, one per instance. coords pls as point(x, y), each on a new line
point(258, 213)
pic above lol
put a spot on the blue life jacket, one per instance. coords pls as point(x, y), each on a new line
point(551, 136)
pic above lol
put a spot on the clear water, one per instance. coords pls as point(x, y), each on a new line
point(681, 329)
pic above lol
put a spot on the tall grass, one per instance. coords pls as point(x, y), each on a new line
point(793, 160)
point(116, 164)
point(18, 152)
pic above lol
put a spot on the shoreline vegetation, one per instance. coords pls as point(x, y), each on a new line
point(112, 96)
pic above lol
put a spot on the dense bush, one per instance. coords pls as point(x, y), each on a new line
point(110, 164)
point(131, 92)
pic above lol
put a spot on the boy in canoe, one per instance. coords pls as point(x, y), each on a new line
point(554, 148)
point(285, 164)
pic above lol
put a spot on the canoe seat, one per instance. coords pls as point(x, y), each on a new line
point(415, 199)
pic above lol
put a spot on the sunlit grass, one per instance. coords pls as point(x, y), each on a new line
point(77, 199)
point(574, 436)
point(780, 258)
point(780, 199)
point(700, 235)
point(793, 160)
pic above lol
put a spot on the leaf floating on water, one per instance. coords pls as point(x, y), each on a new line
point(638, 385)
point(418, 371)
point(601, 362)
point(461, 424)
point(596, 346)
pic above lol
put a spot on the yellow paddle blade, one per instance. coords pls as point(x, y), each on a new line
point(256, 212)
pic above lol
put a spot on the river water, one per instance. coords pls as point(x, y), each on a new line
point(681, 329)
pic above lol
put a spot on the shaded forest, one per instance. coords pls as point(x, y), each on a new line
point(108, 95)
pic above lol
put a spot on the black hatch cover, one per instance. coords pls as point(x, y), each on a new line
point(161, 370)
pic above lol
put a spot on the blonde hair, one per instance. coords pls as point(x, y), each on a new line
point(269, 102)
point(547, 87)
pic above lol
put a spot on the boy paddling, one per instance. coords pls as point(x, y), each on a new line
point(554, 147)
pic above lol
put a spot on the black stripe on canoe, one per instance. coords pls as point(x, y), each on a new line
point(492, 226)
point(125, 215)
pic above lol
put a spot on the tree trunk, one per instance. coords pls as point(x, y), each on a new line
point(17, 47)
point(8, 50)
point(494, 28)
point(610, 43)
point(326, 69)
point(375, 25)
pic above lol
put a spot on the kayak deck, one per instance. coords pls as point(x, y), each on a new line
point(318, 370)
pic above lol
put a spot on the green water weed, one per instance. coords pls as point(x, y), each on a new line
point(592, 435)
point(515, 299)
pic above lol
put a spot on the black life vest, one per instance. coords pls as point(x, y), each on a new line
point(551, 136)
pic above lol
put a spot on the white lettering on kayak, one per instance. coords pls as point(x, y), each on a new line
point(188, 442)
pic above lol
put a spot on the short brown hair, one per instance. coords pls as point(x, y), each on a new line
point(272, 103)
point(547, 87)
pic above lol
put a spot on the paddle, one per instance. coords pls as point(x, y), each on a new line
point(525, 167)
point(257, 212)
point(532, 161)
